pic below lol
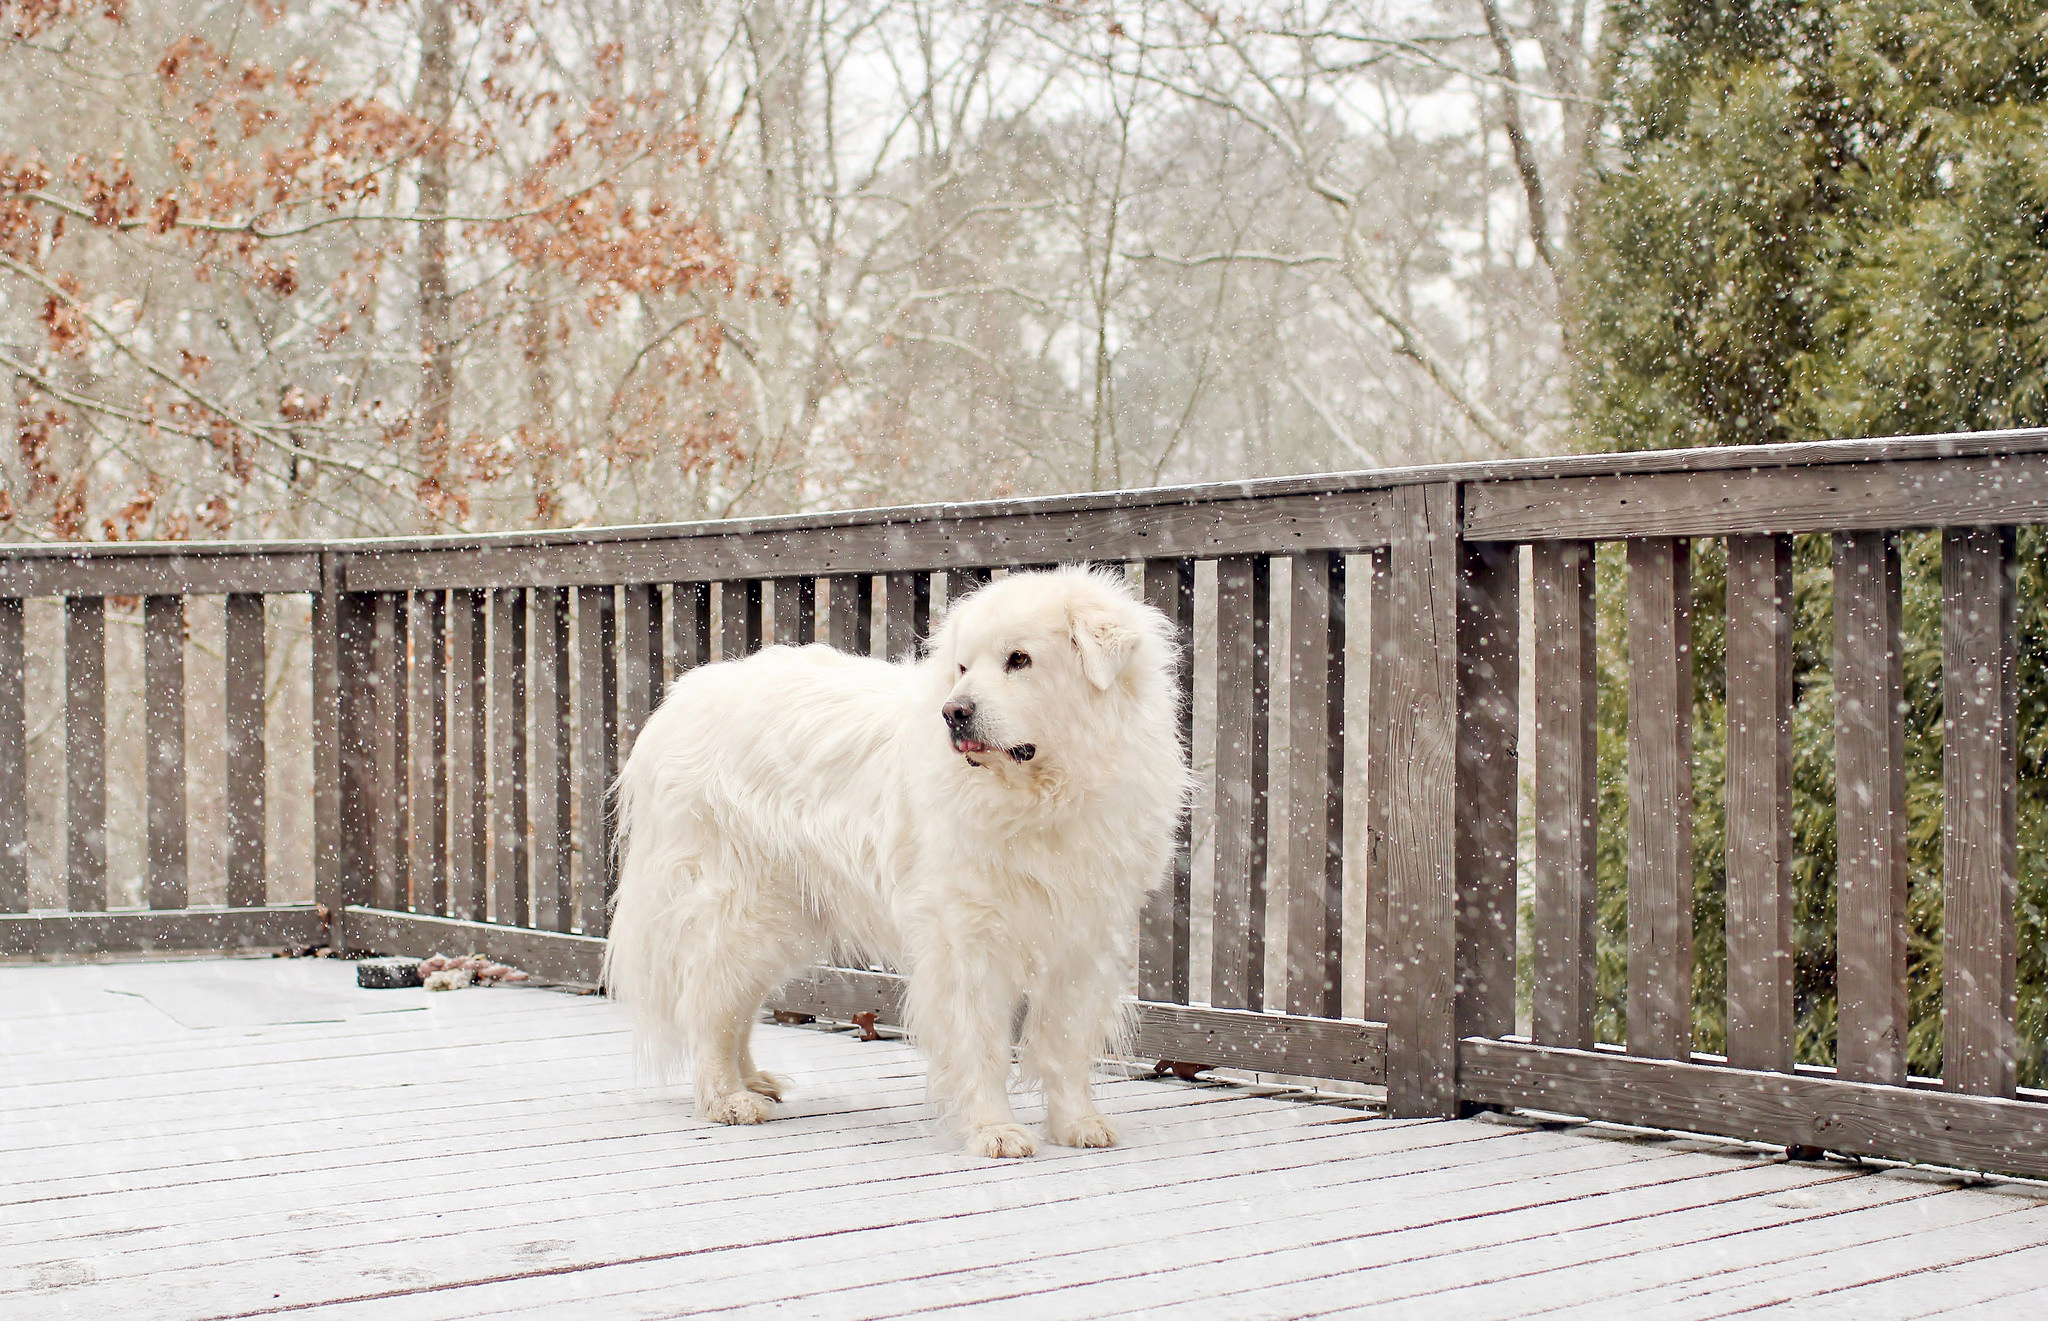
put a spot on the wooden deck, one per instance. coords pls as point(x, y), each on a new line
point(248, 1137)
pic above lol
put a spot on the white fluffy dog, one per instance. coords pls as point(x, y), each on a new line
point(987, 819)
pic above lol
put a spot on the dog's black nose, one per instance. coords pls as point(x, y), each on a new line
point(957, 714)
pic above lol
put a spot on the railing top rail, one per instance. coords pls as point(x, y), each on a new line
point(1983, 444)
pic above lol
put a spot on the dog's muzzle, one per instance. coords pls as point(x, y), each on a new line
point(959, 717)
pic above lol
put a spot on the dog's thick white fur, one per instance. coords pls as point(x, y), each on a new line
point(987, 819)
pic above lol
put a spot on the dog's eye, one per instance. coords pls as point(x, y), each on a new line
point(1018, 661)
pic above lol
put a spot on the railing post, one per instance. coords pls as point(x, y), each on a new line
point(343, 766)
point(1489, 722)
point(1419, 653)
point(13, 762)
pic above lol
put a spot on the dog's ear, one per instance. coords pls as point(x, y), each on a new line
point(1104, 642)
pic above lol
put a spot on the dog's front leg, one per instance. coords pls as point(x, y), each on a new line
point(1073, 1012)
point(958, 1007)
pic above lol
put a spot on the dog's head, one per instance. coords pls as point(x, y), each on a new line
point(1042, 668)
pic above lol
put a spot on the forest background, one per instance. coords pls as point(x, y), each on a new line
point(353, 267)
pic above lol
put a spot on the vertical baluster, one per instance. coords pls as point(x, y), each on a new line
point(852, 609)
point(692, 605)
point(467, 836)
point(549, 611)
point(355, 639)
point(13, 762)
point(907, 615)
point(1660, 906)
point(427, 706)
point(245, 746)
point(739, 607)
point(1564, 951)
point(1979, 820)
point(598, 725)
point(388, 854)
point(1489, 726)
point(796, 611)
point(1163, 933)
point(1759, 847)
point(85, 753)
point(1243, 693)
point(1383, 652)
point(508, 757)
point(1315, 718)
point(964, 582)
point(1870, 811)
point(163, 702)
point(639, 663)
point(328, 882)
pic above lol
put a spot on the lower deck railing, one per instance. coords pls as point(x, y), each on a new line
point(1393, 871)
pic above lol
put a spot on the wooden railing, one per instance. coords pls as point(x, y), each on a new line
point(1336, 911)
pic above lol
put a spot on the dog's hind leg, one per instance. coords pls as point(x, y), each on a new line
point(771, 1085)
point(732, 960)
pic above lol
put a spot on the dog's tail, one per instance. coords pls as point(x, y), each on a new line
point(656, 863)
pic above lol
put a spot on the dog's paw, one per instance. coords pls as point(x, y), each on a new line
point(771, 1085)
point(738, 1108)
point(1000, 1142)
point(1085, 1131)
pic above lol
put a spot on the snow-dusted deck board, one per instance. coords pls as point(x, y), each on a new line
point(240, 1137)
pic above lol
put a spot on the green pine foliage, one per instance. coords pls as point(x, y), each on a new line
point(1822, 220)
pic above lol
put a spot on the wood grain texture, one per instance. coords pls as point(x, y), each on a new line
point(1315, 852)
point(245, 747)
point(468, 835)
point(906, 615)
point(597, 755)
point(1237, 960)
point(796, 611)
point(1979, 817)
point(13, 760)
point(85, 753)
point(548, 955)
point(328, 886)
point(50, 935)
point(1421, 819)
point(1871, 869)
point(1164, 928)
point(163, 721)
point(160, 573)
point(1379, 929)
point(356, 724)
point(639, 624)
point(390, 856)
point(690, 603)
point(426, 785)
point(1865, 1119)
point(1489, 724)
point(548, 614)
point(1874, 496)
point(961, 583)
point(510, 899)
point(739, 609)
point(1759, 838)
point(850, 610)
point(1660, 882)
point(1565, 915)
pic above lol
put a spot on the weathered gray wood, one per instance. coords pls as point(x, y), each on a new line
point(851, 611)
point(597, 723)
point(329, 887)
point(1564, 920)
point(1421, 818)
point(1489, 724)
point(1315, 852)
point(509, 896)
point(796, 611)
point(356, 766)
point(739, 609)
point(1237, 960)
point(639, 623)
point(85, 753)
point(691, 603)
point(50, 935)
point(961, 583)
point(1946, 492)
point(468, 834)
point(1866, 1119)
point(548, 608)
point(390, 856)
point(163, 719)
point(1759, 840)
point(896, 541)
point(1871, 868)
point(1979, 818)
point(907, 615)
point(1660, 797)
point(1164, 941)
point(1380, 666)
point(426, 784)
point(245, 748)
point(548, 955)
point(182, 572)
point(13, 761)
